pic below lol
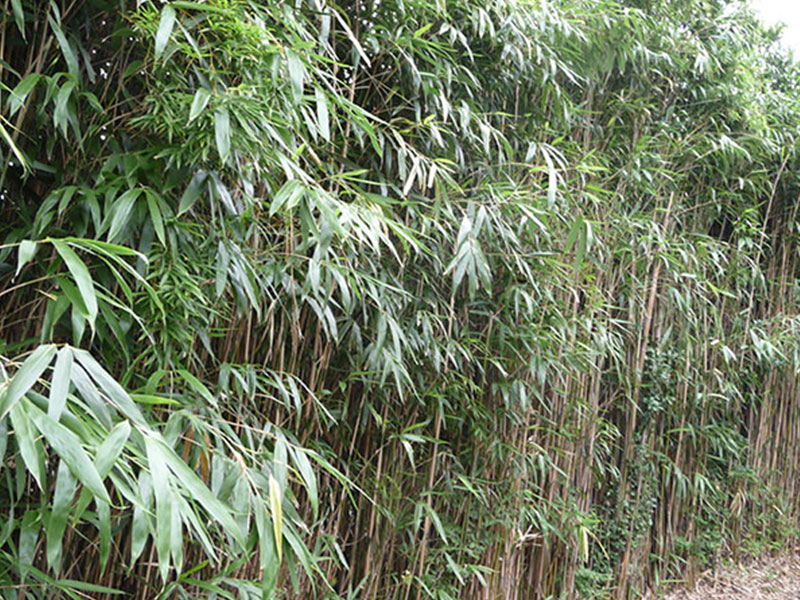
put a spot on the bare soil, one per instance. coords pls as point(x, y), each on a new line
point(767, 579)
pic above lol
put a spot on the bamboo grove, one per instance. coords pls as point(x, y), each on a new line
point(394, 299)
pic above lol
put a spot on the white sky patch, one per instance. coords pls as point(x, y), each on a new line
point(782, 11)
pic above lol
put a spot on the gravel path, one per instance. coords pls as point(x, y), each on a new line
point(768, 579)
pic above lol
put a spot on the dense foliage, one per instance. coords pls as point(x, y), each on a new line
point(394, 298)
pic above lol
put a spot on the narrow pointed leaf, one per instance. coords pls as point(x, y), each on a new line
point(201, 98)
point(27, 375)
point(277, 513)
point(80, 274)
point(69, 448)
point(63, 497)
point(165, 26)
point(222, 133)
point(26, 251)
point(59, 384)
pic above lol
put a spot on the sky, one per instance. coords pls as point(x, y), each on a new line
point(787, 11)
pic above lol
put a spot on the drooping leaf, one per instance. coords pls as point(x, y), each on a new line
point(222, 133)
point(69, 448)
point(59, 384)
point(165, 27)
point(29, 446)
point(276, 511)
point(63, 497)
point(26, 377)
point(201, 98)
point(80, 274)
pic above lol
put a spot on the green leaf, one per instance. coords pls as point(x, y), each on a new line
point(19, 94)
point(573, 233)
point(277, 513)
point(323, 115)
point(280, 460)
point(140, 527)
point(297, 73)
point(163, 494)
point(61, 110)
point(120, 211)
point(192, 192)
point(115, 392)
point(63, 497)
point(267, 554)
point(201, 6)
point(222, 264)
point(154, 400)
point(96, 405)
point(69, 448)
point(198, 387)
point(309, 478)
point(287, 197)
point(29, 446)
point(59, 384)
point(74, 296)
point(26, 251)
point(19, 16)
point(165, 26)
point(111, 448)
point(155, 217)
point(110, 250)
point(201, 98)
point(29, 537)
point(176, 533)
point(67, 51)
point(3, 445)
point(13, 146)
point(195, 486)
point(25, 378)
point(107, 455)
point(82, 278)
point(222, 133)
point(86, 587)
point(104, 525)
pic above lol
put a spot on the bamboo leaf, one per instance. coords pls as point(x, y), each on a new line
point(111, 448)
point(155, 217)
point(163, 495)
point(18, 96)
point(120, 211)
point(26, 377)
point(80, 274)
point(59, 384)
point(140, 527)
point(29, 446)
point(323, 115)
point(27, 249)
point(222, 133)
point(113, 390)
point(277, 513)
point(297, 73)
point(12, 144)
point(192, 192)
point(69, 448)
point(19, 16)
point(201, 98)
point(63, 497)
point(104, 527)
point(164, 32)
point(67, 51)
point(195, 486)
point(309, 478)
point(198, 387)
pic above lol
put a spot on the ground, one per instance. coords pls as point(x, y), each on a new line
point(769, 579)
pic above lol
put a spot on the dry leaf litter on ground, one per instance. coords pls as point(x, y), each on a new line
point(767, 579)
